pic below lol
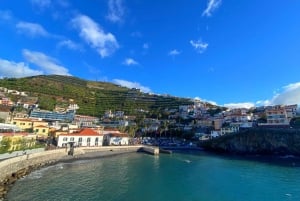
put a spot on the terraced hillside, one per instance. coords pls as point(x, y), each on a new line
point(93, 98)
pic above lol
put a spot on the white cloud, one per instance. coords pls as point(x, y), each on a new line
point(47, 64)
point(130, 62)
point(116, 11)
point(69, 44)
point(174, 52)
point(31, 29)
point(199, 46)
point(290, 95)
point(211, 6)
point(16, 70)
point(130, 85)
point(94, 35)
point(207, 101)
point(240, 105)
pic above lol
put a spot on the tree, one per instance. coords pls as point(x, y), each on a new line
point(5, 145)
point(2, 120)
point(132, 130)
point(295, 122)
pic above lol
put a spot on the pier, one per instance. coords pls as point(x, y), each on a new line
point(150, 150)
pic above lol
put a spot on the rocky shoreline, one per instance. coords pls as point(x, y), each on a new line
point(257, 141)
point(7, 183)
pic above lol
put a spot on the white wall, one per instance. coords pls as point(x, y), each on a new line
point(118, 141)
point(71, 138)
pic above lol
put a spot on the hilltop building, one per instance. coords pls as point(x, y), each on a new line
point(67, 116)
point(85, 121)
point(279, 115)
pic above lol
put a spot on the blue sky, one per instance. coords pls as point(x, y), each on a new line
point(233, 53)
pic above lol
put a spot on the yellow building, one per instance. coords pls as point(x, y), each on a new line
point(28, 124)
point(18, 141)
point(60, 132)
point(41, 131)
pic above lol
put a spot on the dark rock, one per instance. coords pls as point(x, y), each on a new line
point(257, 141)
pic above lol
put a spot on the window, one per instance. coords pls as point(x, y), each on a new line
point(72, 139)
point(88, 140)
point(44, 130)
point(65, 139)
point(80, 139)
point(36, 130)
point(96, 141)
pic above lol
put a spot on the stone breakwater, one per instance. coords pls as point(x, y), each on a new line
point(15, 168)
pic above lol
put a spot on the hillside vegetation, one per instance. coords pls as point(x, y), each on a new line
point(93, 98)
point(257, 141)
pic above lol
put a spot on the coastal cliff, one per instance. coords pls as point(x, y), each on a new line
point(257, 141)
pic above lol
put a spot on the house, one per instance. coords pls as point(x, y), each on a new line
point(8, 127)
point(41, 131)
point(112, 136)
point(230, 129)
point(86, 137)
point(5, 114)
point(279, 115)
point(28, 124)
point(6, 101)
point(57, 133)
point(218, 122)
point(18, 141)
point(85, 121)
point(116, 139)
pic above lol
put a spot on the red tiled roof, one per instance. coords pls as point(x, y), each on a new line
point(88, 131)
point(41, 126)
point(83, 132)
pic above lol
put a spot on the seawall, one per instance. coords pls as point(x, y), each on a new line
point(14, 168)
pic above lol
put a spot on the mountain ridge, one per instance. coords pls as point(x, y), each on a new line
point(93, 98)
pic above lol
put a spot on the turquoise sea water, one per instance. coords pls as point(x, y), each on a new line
point(180, 176)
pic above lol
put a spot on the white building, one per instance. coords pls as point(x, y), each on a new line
point(116, 139)
point(228, 130)
point(85, 137)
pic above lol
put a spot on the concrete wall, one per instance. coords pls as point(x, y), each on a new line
point(19, 153)
point(12, 165)
point(151, 150)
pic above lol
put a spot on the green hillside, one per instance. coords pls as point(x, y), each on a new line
point(93, 98)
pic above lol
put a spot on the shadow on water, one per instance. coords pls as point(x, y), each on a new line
point(284, 161)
